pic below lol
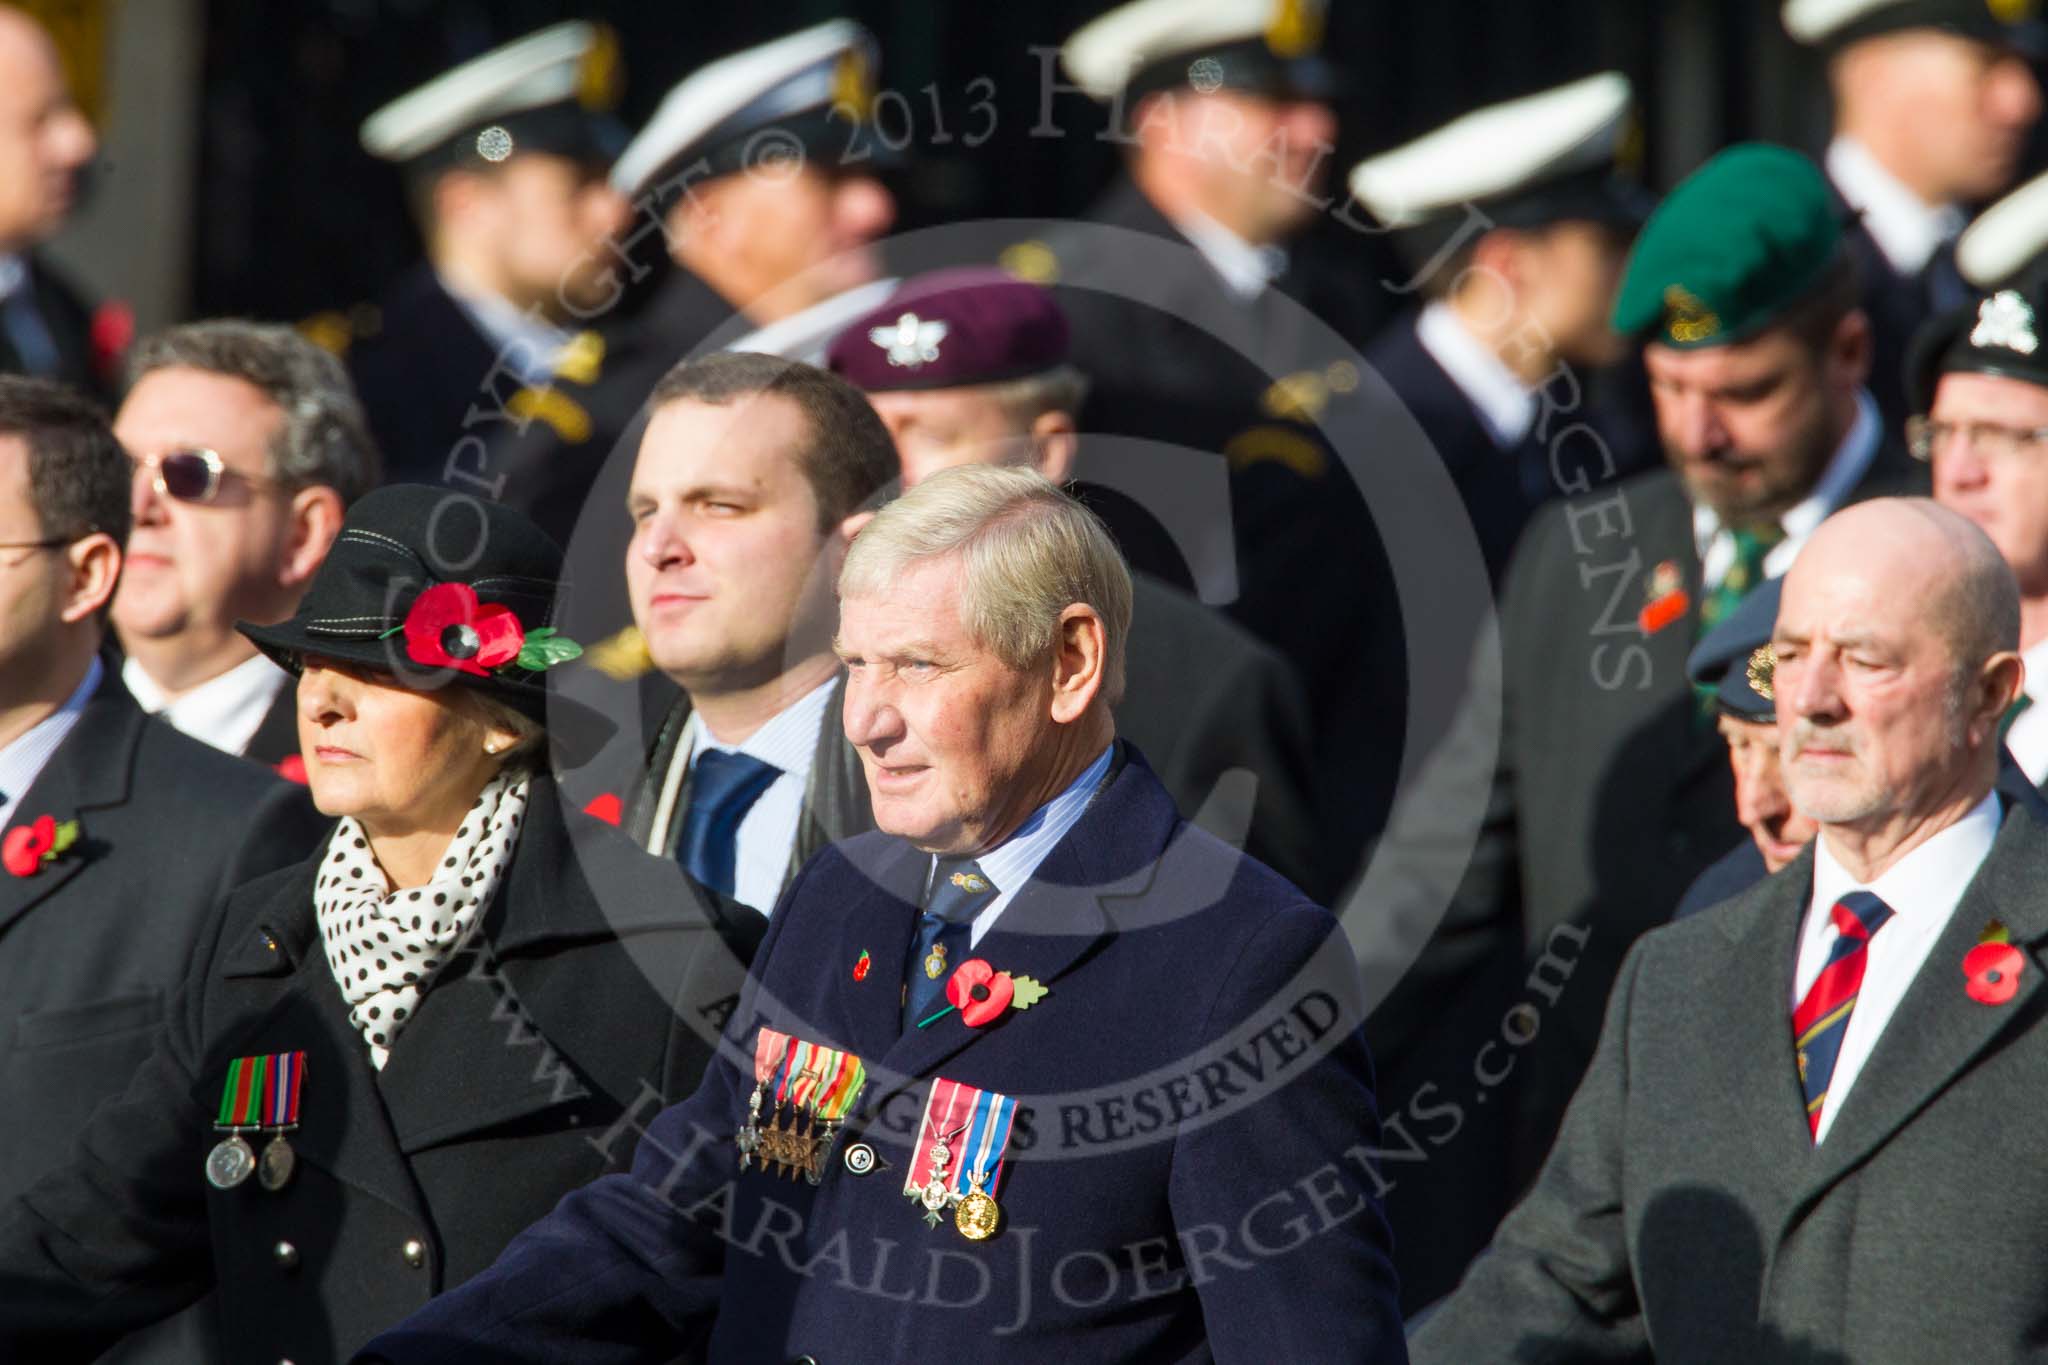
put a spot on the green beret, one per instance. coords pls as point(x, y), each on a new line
point(1739, 241)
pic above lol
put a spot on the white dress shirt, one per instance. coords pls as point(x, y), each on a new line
point(527, 343)
point(1010, 864)
point(1923, 889)
point(1245, 268)
point(1845, 469)
point(225, 711)
point(2028, 737)
point(25, 757)
point(1506, 407)
point(767, 833)
point(1906, 229)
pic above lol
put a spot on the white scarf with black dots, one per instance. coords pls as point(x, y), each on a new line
point(385, 947)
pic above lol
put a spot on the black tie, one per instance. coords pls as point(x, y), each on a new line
point(959, 890)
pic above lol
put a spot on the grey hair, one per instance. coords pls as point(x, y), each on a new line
point(324, 440)
point(1029, 551)
point(1059, 389)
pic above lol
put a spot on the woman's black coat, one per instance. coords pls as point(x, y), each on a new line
point(583, 1005)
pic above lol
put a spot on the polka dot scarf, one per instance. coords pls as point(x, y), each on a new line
point(385, 947)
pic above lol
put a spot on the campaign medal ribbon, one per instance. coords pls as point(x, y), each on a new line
point(958, 1157)
point(812, 1088)
point(260, 1094)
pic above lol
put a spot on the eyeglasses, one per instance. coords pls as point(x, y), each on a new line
point(195, 475)
point(1927, 438)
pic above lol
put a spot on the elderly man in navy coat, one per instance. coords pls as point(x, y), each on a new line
point(1037, 1072)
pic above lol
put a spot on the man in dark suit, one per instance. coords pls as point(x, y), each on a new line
point(1606, 790)
point(46, 327)
point(753, 186)
point(744, 497)
point(1933, 103)
point(122, 836)
point(504, 159)
point(248, 446)
point(1054, 874)
point(970, 365)
point(1797, 1093)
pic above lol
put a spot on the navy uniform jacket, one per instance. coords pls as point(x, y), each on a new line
point(585, 990)
point(419, 375)
point(1162, 1202)
point(1165, 372)
point(1898, 305)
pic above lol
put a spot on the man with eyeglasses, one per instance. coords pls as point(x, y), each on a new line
point(118, 836)
point(1978, 378)
point(248, 445)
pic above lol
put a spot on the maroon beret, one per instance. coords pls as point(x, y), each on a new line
point(951, 328)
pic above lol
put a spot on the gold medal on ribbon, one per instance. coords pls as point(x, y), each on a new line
point(978, 1214)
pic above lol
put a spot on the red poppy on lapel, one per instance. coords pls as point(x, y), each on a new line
point(860, 968)
point(292, 768)
point(1669, 600)
point(27, 847)
point(980, 992)
point(1991, 972)
point(111, 331)
point(607, 807)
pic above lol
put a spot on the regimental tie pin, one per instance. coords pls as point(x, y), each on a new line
point(260, 1094)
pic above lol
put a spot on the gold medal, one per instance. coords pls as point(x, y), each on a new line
point(977, 1214)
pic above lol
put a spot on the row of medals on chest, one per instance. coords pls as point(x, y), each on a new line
point(791, 1144)
point(233, 1161)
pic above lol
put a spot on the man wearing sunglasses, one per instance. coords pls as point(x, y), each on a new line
point(1978, 381)
point(248, 444)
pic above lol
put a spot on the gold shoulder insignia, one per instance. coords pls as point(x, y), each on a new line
point(1031, 261)
point(597, 74)
point(1298, 397)
point(621, 657)
point(1279, 444)
point(557, 409)
point(853, 86)
point(329, 330)
point(581, 359)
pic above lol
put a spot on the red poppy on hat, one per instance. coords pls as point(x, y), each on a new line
point(449, 628)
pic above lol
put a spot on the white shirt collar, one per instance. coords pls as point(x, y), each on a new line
point(807, 335)
point(1845, 469)
point(1505, 405)
point(528, 344)
point(1927, 884)
point(1011, 863)
point(2027, 737)
point(225, 711)
point(24, 758)
point(1904, 227)
point(1247, 269)
point(789, 740)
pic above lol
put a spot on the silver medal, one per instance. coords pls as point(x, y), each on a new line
point(230, 1162)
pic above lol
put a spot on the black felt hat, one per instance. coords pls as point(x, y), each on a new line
point(438, 588)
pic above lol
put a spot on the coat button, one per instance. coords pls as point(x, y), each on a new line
point(286, 1255)
point(415, 1253)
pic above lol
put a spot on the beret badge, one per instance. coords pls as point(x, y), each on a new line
point(1688, 320)
point(1763, 666)
point(2005, 320)
point(910, 340)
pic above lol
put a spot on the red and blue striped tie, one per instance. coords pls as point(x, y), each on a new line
point(1823, 1016)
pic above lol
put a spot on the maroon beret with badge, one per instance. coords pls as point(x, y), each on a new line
point(952, 328)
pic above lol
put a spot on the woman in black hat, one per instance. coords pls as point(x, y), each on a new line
point(396, 1055)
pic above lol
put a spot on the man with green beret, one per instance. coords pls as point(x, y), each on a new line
point(1611, 791)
